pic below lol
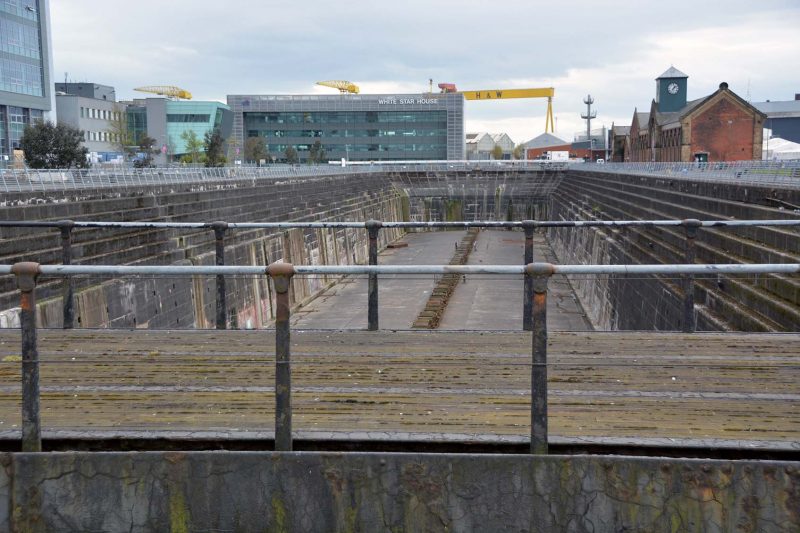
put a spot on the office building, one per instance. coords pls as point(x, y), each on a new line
point(167, 120)
point(354, 127)
point(26, 90)
point(93, 109)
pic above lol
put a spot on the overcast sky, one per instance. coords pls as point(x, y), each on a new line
point(612, 50)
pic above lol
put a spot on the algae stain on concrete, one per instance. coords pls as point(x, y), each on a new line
point(178, 513)
point(279, 515)
point(453, 210)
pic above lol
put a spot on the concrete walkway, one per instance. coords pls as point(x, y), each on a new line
point(674, 389)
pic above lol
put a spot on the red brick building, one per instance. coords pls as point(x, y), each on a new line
point(719, 127)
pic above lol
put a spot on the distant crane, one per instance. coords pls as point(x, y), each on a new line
point(501, 94)
point(344, 87)
point(169, 91)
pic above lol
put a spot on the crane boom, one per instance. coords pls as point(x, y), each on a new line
point(166, 90)
point(500, 94)
point(496, 94)
point(343, 86)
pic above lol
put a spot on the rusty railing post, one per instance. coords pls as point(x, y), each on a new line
point(373, 226)
point(540, 272)
point(689, 320)
point(219, 247)
point(67, 287)
point(281, 274)
point(26, 274)
point(527, 300)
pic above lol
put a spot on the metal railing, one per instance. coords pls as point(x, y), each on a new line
point(43, 180)
point(690, 226)
point(785, 174)
point(27, 275)
point(764, 173)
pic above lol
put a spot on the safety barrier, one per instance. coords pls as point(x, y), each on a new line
point(691, 227)
point(27, 275)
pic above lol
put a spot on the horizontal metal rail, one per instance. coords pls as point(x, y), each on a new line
point(690, 227)
point(432, 224)
point(501, 270)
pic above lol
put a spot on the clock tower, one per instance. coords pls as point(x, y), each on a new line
point(671, 90)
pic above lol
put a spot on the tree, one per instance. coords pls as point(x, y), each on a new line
point(255, 149)
point(519, 151)
point(118, 133)
point(215, 148)
point(497, 152)
point(144, 157)
point(53, 146)
point(194, 147)
point(291, 154)
point(316, 154)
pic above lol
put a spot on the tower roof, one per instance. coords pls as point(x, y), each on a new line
point(672, 72)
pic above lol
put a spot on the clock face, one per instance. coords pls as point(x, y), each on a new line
point(672, 88)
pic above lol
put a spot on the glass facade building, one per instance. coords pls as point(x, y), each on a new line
point(354, 127)
point(199, 117)
point(167, 121)
point(25, 69)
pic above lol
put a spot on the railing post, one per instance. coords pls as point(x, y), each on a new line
point(527, 301)
point(540, 273)
point(219, 246)
point(373, 226)
point(689, 320)
point(26, 274)
point(67, 287)
point(281, 274)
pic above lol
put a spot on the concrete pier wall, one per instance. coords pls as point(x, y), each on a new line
point(308, 491)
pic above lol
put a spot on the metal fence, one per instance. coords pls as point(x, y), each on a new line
point(27, 275)
point(32, 180)
point(784, 174)
point(373, 227)
point(779, 173)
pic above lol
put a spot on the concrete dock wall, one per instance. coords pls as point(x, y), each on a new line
point(305, 491)
point(184, 302)
point(761, 303)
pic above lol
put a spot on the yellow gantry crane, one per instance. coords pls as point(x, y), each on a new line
point(166, 90)
point(343, 86)
point(501, 94)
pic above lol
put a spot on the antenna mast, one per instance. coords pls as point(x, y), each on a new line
point(589, 115)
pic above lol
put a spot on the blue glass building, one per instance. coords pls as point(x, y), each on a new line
point(26, 93)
